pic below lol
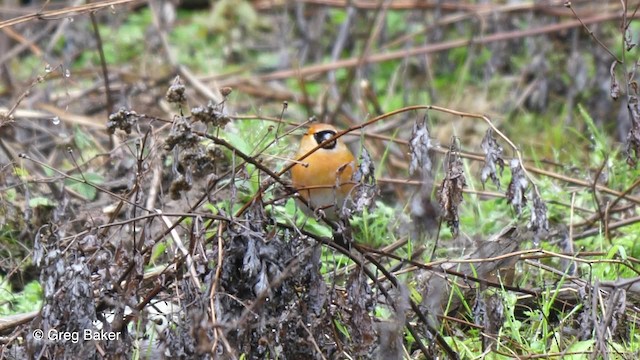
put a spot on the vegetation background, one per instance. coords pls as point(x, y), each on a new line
point(144, 150)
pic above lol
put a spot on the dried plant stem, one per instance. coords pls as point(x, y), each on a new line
point(433, 48)
point(68, 11)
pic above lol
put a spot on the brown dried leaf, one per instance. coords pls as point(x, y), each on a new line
point(628, 42)
point(361, 301)
point(365, 190)
point(615, 87)
point(450, 194)
point(517, 187)
point(586, 318)
point(479, 310)
point(488, 312)
point(633, 138)
point(423, 210)
point(419, 147)
point(539, 223)
point(68, 303)
point(619, 326)
point(492, 159)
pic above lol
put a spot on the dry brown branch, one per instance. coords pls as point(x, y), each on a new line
point(430, 49)
point(69, 11)
point(411, 5)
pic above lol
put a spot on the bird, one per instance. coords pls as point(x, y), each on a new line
point(324, 178)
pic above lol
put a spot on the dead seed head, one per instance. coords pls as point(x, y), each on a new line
point(123, 120)
point(176, 92)
point(212, 114)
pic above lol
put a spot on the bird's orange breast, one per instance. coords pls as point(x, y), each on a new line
point(324, 177)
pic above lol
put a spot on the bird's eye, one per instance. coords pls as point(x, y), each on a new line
point(325, 135)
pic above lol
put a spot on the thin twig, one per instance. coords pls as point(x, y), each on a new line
point(103, 62)
point(64, 13)
point(595, 38)
point(433, 48)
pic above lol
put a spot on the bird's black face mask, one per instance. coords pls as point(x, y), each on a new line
point(325, 135)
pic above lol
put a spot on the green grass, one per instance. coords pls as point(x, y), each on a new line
point(27, 300)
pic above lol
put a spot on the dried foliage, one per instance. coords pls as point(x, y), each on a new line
point(488, 312)
point(419, 148)
point(633, 138)
point(633, 103)
point(176, 92)
point(365, 191)
point(516, 192)
point(614, 90)
point(450, 194)
point(600, 319)
point(586, 320)
point(280, 280)
point(124, 120)
point(423, 209)
point(538, 223)
point(362, 302)
point(492, 159)
point(619, 318)
point(68, 301)
point(212, 114)
point(189, 153)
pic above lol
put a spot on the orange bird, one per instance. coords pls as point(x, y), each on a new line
point(323, 178)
